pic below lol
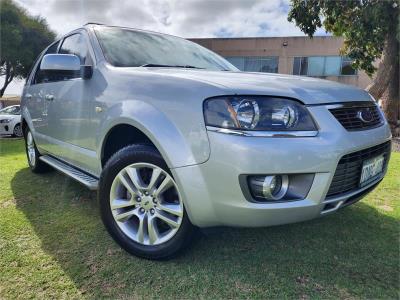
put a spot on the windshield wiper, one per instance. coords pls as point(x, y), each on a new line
point(171, 66)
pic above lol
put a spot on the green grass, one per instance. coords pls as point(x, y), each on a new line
point(53, 245)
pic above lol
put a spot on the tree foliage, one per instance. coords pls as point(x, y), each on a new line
point(371, 31)
point(364, 24)
point(22, 39)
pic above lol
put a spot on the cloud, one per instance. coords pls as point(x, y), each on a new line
point(186, 18)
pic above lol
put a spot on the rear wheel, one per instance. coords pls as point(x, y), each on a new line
point(35, 164)
point(141, 206)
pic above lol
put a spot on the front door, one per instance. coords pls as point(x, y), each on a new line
point(71, 108)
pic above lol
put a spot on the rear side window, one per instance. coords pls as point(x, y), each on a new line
point(40, 76)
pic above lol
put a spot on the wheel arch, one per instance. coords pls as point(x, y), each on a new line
point(120, 136)
point(152, 126)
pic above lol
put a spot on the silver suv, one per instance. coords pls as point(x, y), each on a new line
point(174, 137)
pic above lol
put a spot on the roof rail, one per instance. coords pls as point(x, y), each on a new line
point(93, 23)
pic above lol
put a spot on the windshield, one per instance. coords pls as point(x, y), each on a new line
point(11, 110)
point(129, 48)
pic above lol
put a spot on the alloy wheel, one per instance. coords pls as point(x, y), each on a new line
point(146, 204)
point(18, 131)
point(30, 145)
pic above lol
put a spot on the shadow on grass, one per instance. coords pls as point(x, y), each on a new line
point(351, 253)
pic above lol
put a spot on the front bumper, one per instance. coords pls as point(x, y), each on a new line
point(5, 128)
point(212, 193)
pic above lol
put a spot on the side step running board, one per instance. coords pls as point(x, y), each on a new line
point(87, 180)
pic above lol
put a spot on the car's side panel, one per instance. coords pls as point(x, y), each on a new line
point(152, 104)
point(70, 112)
point(156, 126)
point(35, 111)
point(84, 159)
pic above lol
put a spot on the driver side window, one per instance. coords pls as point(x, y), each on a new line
point(40, 76)
point(75, 44)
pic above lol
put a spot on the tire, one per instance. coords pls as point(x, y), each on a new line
point(116, 182)
point(32, 154)
point(17, 131)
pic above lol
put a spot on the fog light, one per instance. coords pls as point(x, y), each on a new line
point(271, 187)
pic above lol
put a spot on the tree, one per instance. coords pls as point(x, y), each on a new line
point(371, 31)
point(22, 38)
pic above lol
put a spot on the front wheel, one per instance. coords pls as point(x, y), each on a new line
point(141, 206)
point(17, 132)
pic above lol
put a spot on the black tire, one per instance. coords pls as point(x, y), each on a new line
point(124, 157)
point(17, 131)
point(36, 166)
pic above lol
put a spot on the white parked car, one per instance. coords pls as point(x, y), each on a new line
point(10, 121)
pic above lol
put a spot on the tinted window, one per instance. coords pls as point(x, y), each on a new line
point(261, 64)
point(300, 66)
point(323, 66)
point(237, 61)
point(347, 69)
point(53, 48)
point(75, 44)
point(316, 66)
point(332, 65)
point(130, 48)
point(255, 64)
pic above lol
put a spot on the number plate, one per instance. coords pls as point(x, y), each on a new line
point(371, 169)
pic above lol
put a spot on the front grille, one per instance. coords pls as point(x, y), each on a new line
point(348, 172)
point(350, 118)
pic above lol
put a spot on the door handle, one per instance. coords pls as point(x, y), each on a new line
point(28, 96)
point(49, 97)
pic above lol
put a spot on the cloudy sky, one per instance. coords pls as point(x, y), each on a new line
point(186, 18)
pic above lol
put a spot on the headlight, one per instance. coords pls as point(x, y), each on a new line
point(247, 114)
point(255, 113)
point(5, 121)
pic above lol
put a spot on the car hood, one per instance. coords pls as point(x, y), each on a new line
point(306, 89)
point(12, 117)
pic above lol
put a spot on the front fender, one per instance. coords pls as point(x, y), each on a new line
point(180, 141)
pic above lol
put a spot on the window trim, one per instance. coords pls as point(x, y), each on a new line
point(35, 68)
point(61, 41)
point(86, 41)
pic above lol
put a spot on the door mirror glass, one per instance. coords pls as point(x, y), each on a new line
point(61, 63)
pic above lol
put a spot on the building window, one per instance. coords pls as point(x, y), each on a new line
point(300, 66)
point(347, 69)
point(319, 66)
point(255, 63)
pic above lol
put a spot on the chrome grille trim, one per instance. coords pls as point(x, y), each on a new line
point(348, 114)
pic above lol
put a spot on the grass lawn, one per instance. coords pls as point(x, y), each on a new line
point(53, 245)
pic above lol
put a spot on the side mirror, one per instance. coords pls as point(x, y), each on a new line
point(60, 62)
point(65, 63)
